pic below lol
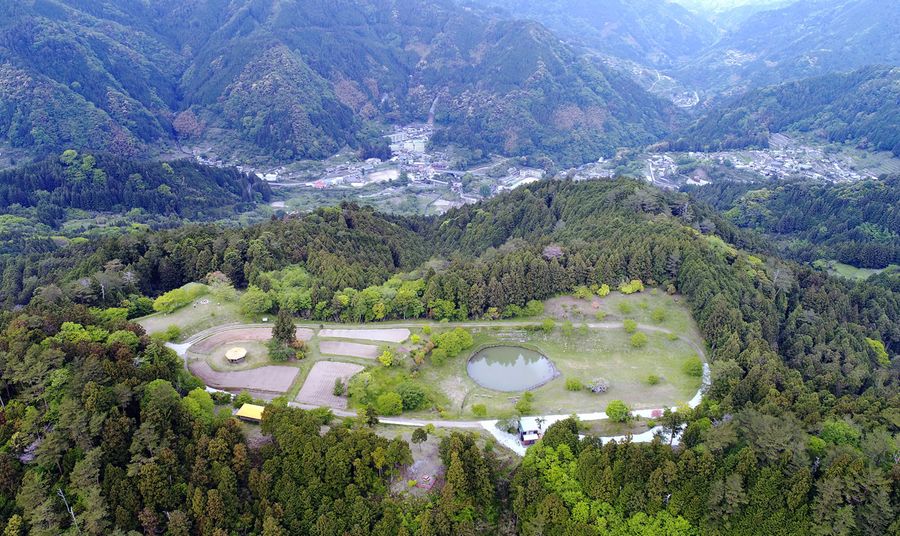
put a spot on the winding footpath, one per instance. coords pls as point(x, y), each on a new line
point(508, 440)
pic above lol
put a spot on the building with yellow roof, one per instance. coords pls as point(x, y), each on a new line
point(250, 413)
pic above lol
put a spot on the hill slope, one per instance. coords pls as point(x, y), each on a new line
point(861, 107)
point(857, 224)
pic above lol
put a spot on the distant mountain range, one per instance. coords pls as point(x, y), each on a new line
point(860, 107)
point(652, 32)
point(301, 79)
point(805, 39)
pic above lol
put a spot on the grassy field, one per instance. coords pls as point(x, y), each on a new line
point(586, 355)
point(850, 272)
point(206, 312)
point(577, 350)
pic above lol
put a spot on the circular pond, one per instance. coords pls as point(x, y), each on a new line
point(510, 368)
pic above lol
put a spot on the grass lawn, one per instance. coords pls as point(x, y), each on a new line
point(851, 272)
point(598, 353)
point(206, 312)
point(586, 353)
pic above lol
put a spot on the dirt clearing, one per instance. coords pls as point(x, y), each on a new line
point(352, 349)
point(382, 335)
point(273, 379)
point(235, 335)
point(318, 388)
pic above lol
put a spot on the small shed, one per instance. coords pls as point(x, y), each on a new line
point(530, 430)
point(250, 413)
point(236, 354)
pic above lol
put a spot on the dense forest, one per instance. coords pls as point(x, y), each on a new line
point(857, 224)
point(36, 199)
point(102, 429)
point(861, 108)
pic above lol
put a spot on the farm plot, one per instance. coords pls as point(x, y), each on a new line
point(396, 335)
point(273, 379)
point(318, 389)
point(352, 349)
point(242, 334)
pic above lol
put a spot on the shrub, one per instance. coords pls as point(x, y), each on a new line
point(386, 358)
point(389, 404)
point(242, 398)
point(479, 410)
point(583, 293)
point(638, 340)
point(280, 352)
point(339, 387)
point(672, 336)
point(574, 384)
point(415, 339)
point(172, 333)
point(419, 435)
point(625, 308)
point(534, 308)
point(652, 379)
point(426, 330)
point(454, 342)
point(603, 291)
point(658, 315)
point(413, 396)
point(412, 483)
point(600, 316)
point(617, 411)
point(525, 403)
point(629, 325)
point(567, 329)
point(635, 285)
point(438, 356)
point(693, 367)
point(547, 325)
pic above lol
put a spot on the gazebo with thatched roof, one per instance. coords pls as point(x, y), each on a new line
point(236, 354)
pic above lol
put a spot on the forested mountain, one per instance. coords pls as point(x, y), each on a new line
point(302, 78)
point(797, 434)
point(36, 199)
point(857, 223)
point(804, 39)
point(861, 107)
point(649, 32)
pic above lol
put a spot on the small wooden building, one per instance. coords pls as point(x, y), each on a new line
point(250, 413)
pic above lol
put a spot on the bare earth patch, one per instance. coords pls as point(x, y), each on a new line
point(383, 335)
point(352, 349)
point(212, 342)
point(277, 379)
point(318, 388)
